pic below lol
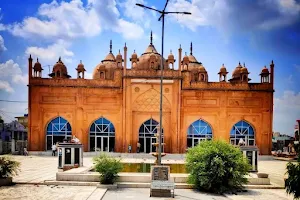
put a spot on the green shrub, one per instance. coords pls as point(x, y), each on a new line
point(216, 166)
point(292, 183)
point(8, 167)
point(108, 168)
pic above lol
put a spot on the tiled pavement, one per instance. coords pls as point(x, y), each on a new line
point(37, 169)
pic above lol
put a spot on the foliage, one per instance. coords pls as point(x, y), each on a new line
point(108, 168)
point(216, 166)
point(8, 167)
point(292, 183)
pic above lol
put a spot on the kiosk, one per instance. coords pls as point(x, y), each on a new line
point(70, 155)
point(251, 152)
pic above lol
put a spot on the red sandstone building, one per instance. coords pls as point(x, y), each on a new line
point(120, 105)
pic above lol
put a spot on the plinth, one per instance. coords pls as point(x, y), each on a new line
point(160, 182)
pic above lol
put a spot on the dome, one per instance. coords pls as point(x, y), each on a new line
point(134, 55)
point(37, 66)
point(119, 56)
point(223, 70)
point(170, 56)
point(236, 73)
point(80, 67)
point(265, 70)
point(244, 70)
point(109, 57)
point(202, 69)
point(60, 66)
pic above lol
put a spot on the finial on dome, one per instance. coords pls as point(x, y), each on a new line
point(134, 51)
point(59, 59)
point(191, 48)
point(80, 61)
point(170, 51)
point(185, 53)
point(272, 62)
point(151, 38)
point(244, 65)
point(125, 44)
point(110, 47)
point(239, 63)
point(180, 46)
point(119, 51)
point(30, 56)
point(37, 59)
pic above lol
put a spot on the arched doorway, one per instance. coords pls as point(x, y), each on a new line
point(102, 135)
point(58, 129)
point(197, 132)
point(242, 132)
point(147, 137)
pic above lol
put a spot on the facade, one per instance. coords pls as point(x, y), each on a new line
point(120, 105)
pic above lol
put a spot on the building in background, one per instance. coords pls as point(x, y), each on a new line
point(120, 105)
point(23, 120)
point(281, 142)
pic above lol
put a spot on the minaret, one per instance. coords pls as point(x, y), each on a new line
point(179, 59)
point(30, 67)
point(272, 73)
point(125, 59)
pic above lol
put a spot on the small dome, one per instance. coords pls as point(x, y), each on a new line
point(223, 70)
point(170, 56)
point(37, 66)
point(265, 70)
point(202, 69)
point(80, 67)
point(119, 56)
point(192, 58)
point(110, 57)
point(244, 70)
point(60, 66)
point(237, 71)
point(134, 55)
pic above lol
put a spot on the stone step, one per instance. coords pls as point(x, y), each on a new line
point(98, 194)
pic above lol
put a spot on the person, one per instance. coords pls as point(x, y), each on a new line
point(241, 142)
point(138, 147)
point(129, 148)
point(25, 151)
point(53, 149)
point(75, 139)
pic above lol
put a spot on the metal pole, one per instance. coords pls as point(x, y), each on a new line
point(161, 90)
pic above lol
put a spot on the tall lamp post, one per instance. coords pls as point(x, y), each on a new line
point(162, 18)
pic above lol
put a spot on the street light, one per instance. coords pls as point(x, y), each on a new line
point(162, 16)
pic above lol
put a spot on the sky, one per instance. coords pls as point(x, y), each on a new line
point(222, 31)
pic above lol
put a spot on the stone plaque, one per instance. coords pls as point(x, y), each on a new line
point(160, 173)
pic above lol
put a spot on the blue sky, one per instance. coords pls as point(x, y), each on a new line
point(222, 31)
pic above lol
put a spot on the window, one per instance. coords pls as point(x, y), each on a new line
point(102, 135)
point(102, 75)
point(57, 130)
point(242, 133)
point(197, 132)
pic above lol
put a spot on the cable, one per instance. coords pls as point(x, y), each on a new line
point(13, 101)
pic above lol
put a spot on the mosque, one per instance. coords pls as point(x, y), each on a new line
point(119, 106)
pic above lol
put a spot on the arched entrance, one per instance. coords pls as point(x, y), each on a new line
point(102, 135)
point(242, 132)
point(197, 132)
point(147, 137)
point(58, 129)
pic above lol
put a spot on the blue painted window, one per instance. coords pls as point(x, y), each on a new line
point(242, 132)
point(198, 131)
point(57, 130)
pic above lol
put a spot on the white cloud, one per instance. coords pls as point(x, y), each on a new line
point(69, 20)
point(2, 46)
point(10, 71)
point(232, 15)
point(129, 30)
point(64, 20)
point(4, 85)
point(50, 54)
point(287, 105)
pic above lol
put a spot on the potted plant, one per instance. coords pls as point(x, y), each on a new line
point(8, 169)
point(108, 168)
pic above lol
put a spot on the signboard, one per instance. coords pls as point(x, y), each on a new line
point(161, 173)
point(166, 185)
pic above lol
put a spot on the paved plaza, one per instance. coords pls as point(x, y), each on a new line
point(35, 170)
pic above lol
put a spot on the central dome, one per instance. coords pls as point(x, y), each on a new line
point(151, 59)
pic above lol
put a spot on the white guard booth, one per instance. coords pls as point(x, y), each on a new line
point(70, 155)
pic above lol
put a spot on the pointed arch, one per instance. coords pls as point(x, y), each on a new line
point(198, 131)
point(147, 135)
point(57, 130)
point(242, 133)
point(102, 135)
point(150, 101)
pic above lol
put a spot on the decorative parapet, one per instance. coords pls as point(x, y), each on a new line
point(114, 83)
point(187, 84)
point(167, 74)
